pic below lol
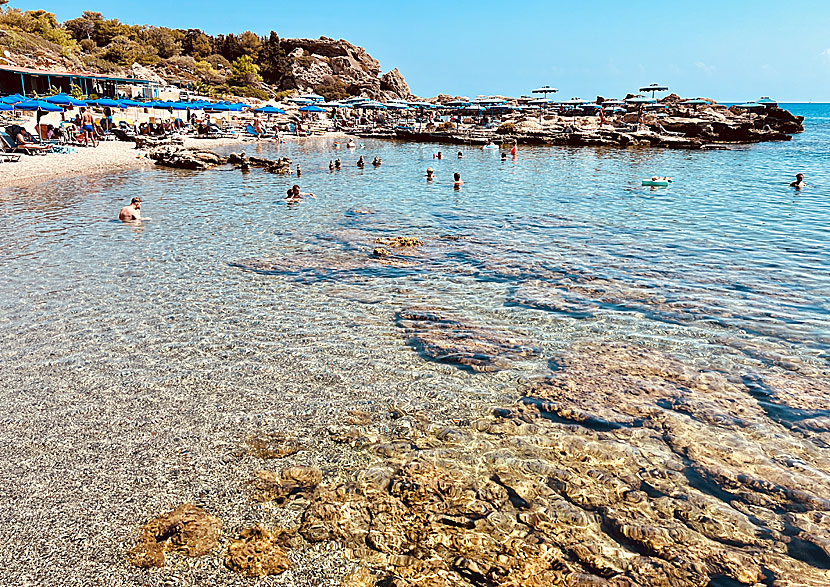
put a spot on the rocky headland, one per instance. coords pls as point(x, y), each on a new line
point(679, 126)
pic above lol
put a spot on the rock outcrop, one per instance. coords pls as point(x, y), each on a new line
point(195, 159)
point(392, 81)
point(314, 59)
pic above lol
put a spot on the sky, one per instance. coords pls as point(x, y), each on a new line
point(729, 50)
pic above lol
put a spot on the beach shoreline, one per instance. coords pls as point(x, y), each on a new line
point(107, 157)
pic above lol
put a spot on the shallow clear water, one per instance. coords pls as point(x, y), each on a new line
point(728, 268)
point(727, 251)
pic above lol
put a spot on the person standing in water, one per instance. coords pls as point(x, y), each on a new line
point(131, 213)
point(430, 174)
point(514, 152)
point(457, 183)
point(799, 181)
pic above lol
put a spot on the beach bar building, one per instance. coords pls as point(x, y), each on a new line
point(27, 81)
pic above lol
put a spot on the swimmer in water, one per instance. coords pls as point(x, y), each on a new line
point(503, 156)
point(131, 213)
point(376, 161)
point(457, 183)
point(331, 165)
point(295, 195)
point(430, 174)
point(460, 154)
point(351, 144)
point(299, 171)
point(799, 181)
point(337, 163)
point(439, 155)
point(360, 162)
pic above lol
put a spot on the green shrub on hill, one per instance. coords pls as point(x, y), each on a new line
point(248, 92)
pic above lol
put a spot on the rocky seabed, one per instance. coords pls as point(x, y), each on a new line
point(622, 466)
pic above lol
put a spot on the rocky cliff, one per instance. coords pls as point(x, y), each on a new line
point(316, 61)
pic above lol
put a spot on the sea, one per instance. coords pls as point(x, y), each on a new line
point(229, 309)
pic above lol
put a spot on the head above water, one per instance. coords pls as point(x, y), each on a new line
point(456, 176)
point(135, 201)
point(799, 176)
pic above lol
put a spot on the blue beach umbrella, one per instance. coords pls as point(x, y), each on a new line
point(13, 99)
point(312, 108)
point(641, 100)
point(131, 103)
point(4, 106)
point(654, 88)
point(269, 110)
point(105, 102)
point(40, 105)
point(65, 100)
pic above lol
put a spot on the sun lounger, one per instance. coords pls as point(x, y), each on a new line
point(12, 146)
point(669, 133)
point(8, 157)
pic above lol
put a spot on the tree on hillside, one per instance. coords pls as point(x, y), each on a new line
point(83, 26)
point(229, 47)
point(196, 44)
point(245, 72)
point(274, 64)
point(164, 40)
point(251, 44)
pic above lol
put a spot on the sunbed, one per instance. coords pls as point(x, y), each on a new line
point(12, 146)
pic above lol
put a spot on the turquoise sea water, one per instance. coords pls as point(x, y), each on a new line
point(106, 327)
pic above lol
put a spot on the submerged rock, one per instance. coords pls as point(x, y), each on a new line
point(273, 445)
point(451, 339)
point(623, 467)
point(295, 482)
point(188, 530)
point(258, 552)
point(400, 242)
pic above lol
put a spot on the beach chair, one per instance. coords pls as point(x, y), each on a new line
point(12, 146)
point(5, 156)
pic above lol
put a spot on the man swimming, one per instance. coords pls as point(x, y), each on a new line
point(132, 212)
point(295, 195)
point(457, 183)
point(799, 181)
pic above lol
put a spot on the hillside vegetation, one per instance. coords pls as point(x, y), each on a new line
point(244, 64)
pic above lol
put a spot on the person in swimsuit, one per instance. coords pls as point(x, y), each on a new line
point(131, 213)
point(430, 174)
point(87, 125)
point(457, 183)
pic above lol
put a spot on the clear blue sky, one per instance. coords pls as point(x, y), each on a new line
point(727, 49)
